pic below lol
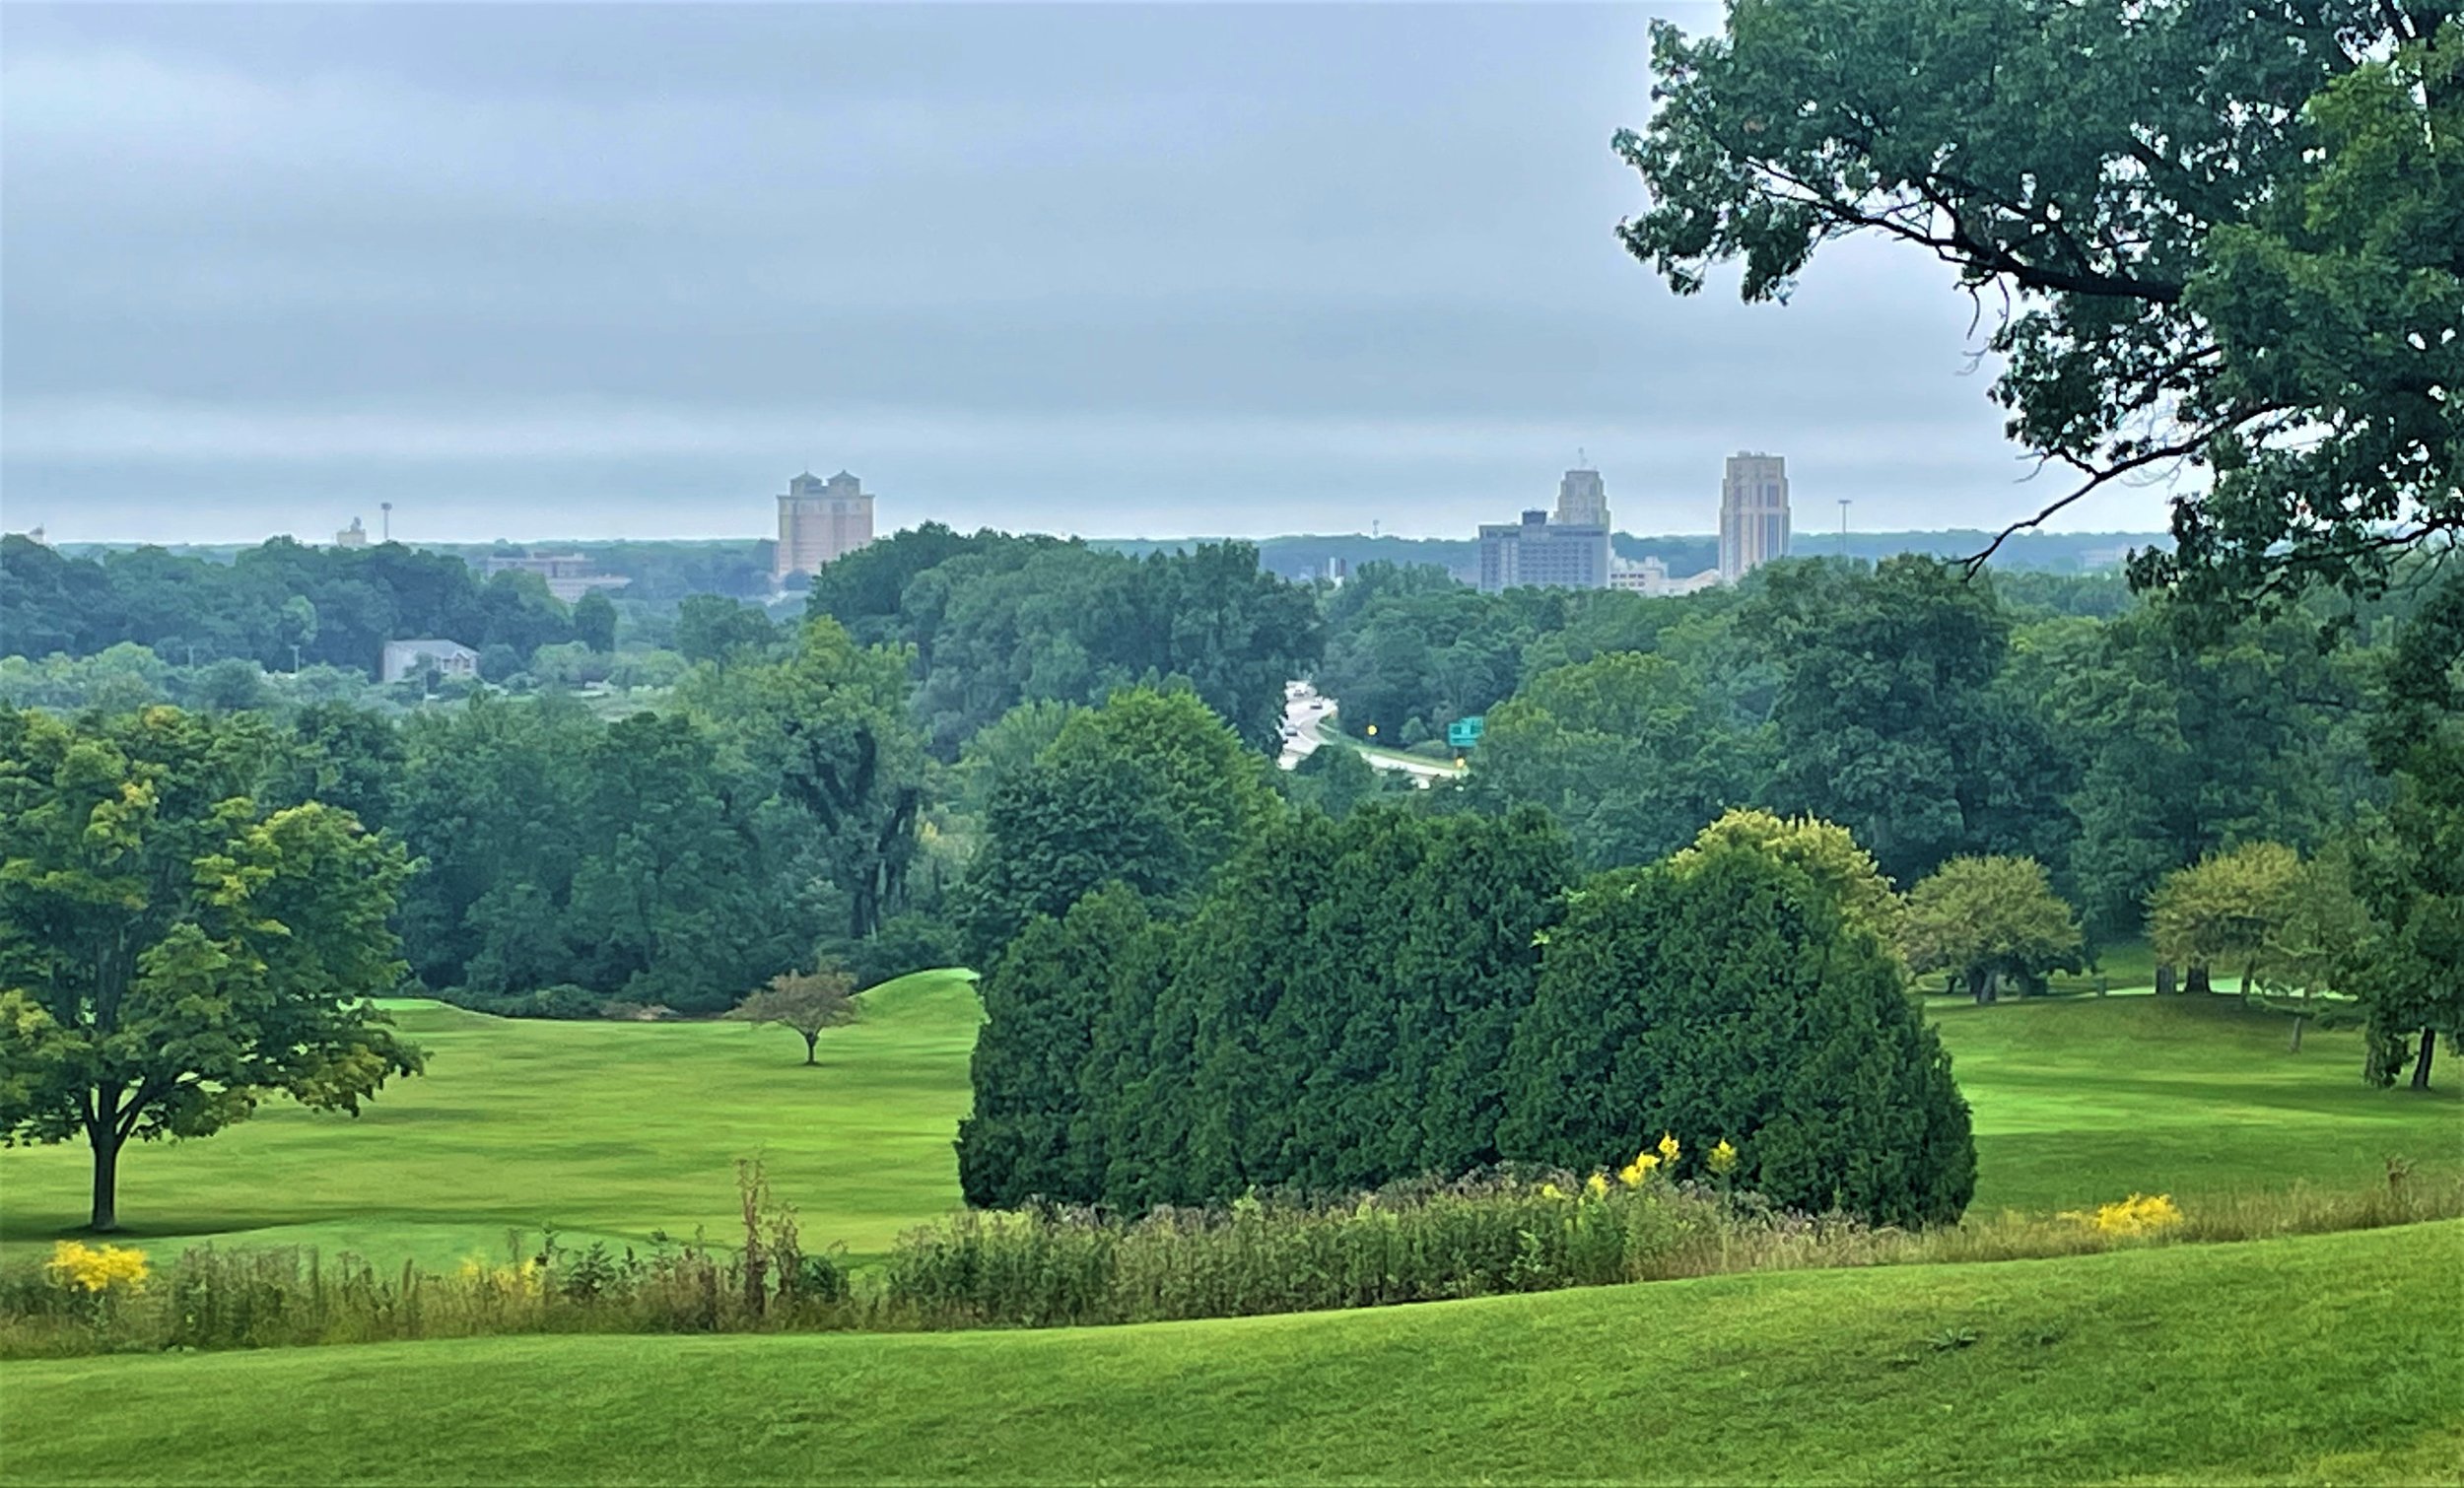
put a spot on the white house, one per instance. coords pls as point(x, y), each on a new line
point(404, 658)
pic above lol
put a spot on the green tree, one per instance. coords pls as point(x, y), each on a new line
point(1887, 718)
point(714, 628)
point(830, 724)
point(2221, 234)
point(2318, 953)
point(2412, 876)
point(1032, 1131)
point(807, 1001)
point(171, 950)
point(1823, 852)
point(594, 622)
point(1984, 919)
point(1153, 788)
point(1629, 752)
point(2221, 910)
point(1729, 999)
point(2185, 736)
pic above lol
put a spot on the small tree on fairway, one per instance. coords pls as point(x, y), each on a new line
point(171, 949)
point(2221, 910)
point(807, 1001)
point(1984, 918)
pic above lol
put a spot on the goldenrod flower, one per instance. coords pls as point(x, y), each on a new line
point(2139, 1214)
point(96, 1268)
point(1723, 1158)
point(1597, 1185)
point(1668, 1146)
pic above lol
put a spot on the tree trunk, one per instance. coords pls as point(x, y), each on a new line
point(812, 1045)
point(2166, 987)
point(2247, 972)
point(105, 1141)
point(2197, 982)
point(2297, 1033)
point(1981, 987)
point(2421, 1069)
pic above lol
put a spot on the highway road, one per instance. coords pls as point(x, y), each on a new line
point(1306, 732)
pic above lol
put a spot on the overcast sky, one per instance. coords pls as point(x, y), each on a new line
point(569, 271)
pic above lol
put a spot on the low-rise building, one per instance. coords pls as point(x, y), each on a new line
point(568, 575)
point(352, 536)
point(408, 659)
point(1651, 576)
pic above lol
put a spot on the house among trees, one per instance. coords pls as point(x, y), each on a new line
point(405, 658)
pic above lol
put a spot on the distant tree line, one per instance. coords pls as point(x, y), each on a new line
point(2110, 738)
point(996, 621)
point(280, 604)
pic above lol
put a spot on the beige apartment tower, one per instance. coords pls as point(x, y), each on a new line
point(1754, 513)
point(818, 520)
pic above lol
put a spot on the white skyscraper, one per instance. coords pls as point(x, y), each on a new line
point(1754, 513)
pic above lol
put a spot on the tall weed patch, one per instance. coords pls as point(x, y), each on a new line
point(1053, 1266)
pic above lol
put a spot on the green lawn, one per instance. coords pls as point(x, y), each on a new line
point(616, 1129)
point(2077, 1100)
point(609, 1129)
point(2335, 1358)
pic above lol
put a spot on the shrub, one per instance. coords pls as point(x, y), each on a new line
point(1730, 993)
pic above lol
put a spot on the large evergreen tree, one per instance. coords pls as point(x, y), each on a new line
point(1729, 999)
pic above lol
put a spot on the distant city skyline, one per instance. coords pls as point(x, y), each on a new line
point(552, 273)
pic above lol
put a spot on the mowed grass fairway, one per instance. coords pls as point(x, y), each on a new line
point(601, 1129)
point(616, 1129)
point(2081, 1100)
point(2321, 1359)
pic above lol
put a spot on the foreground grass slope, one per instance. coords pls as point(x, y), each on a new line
point(2328, 1358)
point(599, 1128)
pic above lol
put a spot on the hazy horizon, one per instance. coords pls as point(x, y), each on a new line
point(543, 273)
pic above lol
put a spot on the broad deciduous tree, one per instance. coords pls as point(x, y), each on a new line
point(1986, 919)
point(2221, 910)
point(173, 951)
point(805, 1001)
point(2221, 234)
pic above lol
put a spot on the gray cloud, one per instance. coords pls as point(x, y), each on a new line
point(533, 271)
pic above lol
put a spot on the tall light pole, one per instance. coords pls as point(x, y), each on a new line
point(388, 510)
point(1844, 529)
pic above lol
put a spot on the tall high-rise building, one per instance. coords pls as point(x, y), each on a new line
point(1754, 513)
point(1581, 499)
point(819, 520)
point(1569, 552)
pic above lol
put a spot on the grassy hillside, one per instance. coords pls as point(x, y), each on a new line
point(619, 1129)
point(599, 1128)
point(2077, 1100)
point(2329, 1358)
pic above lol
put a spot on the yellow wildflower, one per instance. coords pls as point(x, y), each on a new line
point(2139, 1214)
point(1668, 1147)
point(96, 1268)
point(1597, 1185)
point(1723, 1158)
point(1634, 1173)
point(1551, 1191)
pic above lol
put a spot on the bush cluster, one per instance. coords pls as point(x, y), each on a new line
point(1360, 1003)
